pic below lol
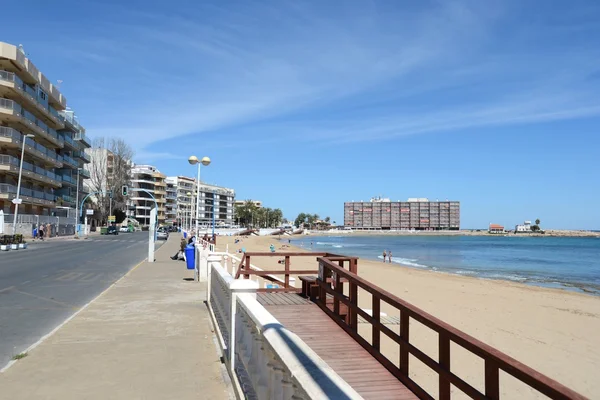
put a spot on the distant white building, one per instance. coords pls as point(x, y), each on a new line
point(526, 227)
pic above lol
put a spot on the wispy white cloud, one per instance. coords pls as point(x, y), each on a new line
point(344, 73)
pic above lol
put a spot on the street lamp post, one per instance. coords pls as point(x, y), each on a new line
point(17, 199)
point(77, 205)
point(189, 221)
point(193, 160)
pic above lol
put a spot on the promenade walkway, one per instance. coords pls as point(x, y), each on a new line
point(147, 337)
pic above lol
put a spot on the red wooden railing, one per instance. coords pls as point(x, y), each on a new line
point(331, 280)
point(245, 268)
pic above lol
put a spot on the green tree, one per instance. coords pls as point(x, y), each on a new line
point(246, 213)
point(327, 219)
point(300, 220)
point(537, 222)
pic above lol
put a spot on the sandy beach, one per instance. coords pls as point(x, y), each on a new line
point(553, 331)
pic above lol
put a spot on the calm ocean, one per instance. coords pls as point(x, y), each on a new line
point(570, 263)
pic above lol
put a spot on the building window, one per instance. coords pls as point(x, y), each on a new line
point(42, 95)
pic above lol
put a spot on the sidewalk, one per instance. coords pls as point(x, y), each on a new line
point(147, 337)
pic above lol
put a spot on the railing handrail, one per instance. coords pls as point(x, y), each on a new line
point(499, 360)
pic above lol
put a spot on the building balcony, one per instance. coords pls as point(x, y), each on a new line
point(66, 179)
point(160, 191)
point(84, 173)
point(70, 121)
point(10, 137)
point(83, 138)
point(12, 86)
point(10, 164)
point(69, 142)
point(65, 199)
point(14, 112)
point(28, 196)
point(82, 155)
point(141, 180)
point(70, 161)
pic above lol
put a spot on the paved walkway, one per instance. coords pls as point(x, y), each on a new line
point(147, 337)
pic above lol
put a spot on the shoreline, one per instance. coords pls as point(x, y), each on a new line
point(482, 232)
point(562, 287)
point(585, 289)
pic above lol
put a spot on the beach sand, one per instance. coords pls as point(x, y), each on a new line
point(554, 331)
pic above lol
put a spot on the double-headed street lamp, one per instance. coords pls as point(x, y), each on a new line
point(193, 160)
point(17, 199)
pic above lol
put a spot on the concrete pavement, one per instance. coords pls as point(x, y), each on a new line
point(147, 337)
point(45, 284)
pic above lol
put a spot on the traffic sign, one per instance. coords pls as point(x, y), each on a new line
point(111, 218)
point(17, 201)
point(89, 211)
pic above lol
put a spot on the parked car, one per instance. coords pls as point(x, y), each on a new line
point(124, 229)
point(112, 230)
point(162, 235)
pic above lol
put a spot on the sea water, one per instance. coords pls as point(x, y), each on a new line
point(563, 262)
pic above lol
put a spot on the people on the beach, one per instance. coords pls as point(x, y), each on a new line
point(390, 256)
point(384, 256)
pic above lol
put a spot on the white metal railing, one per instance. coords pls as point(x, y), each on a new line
point(263, 358)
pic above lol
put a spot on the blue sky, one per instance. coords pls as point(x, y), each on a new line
point(307, 104)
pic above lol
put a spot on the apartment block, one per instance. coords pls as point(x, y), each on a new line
point(34, 111)
point(171, 204)
point(217, 199)
point(153, 182)
point(413, 214)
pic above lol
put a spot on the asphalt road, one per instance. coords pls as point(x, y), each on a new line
point(44, 285)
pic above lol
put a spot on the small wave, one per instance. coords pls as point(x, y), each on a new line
point(406, 261)
point(466, 272)
point(514, 278)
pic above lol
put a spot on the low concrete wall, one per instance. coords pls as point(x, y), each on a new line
point(263, 358)
point(27, 230)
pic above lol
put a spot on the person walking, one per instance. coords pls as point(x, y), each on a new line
point(41, 232)
point(384, 256)
point(390, 256)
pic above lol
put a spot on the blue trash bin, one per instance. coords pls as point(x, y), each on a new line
point(185, 235)
point(190, 257)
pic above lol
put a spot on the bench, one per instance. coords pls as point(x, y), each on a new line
point(310, 287)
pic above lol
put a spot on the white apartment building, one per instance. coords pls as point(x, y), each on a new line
point(34, 117)
point(153, 182)
point(212, 198)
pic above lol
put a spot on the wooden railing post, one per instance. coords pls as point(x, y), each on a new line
point(287, 272)
point(352, 315)
point(492, 380)
point(247, 266)
point(404, 324)
point(338, 289)
point(375, 326)
point(444, 360)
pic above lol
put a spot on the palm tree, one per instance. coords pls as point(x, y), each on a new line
point(537, 221)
